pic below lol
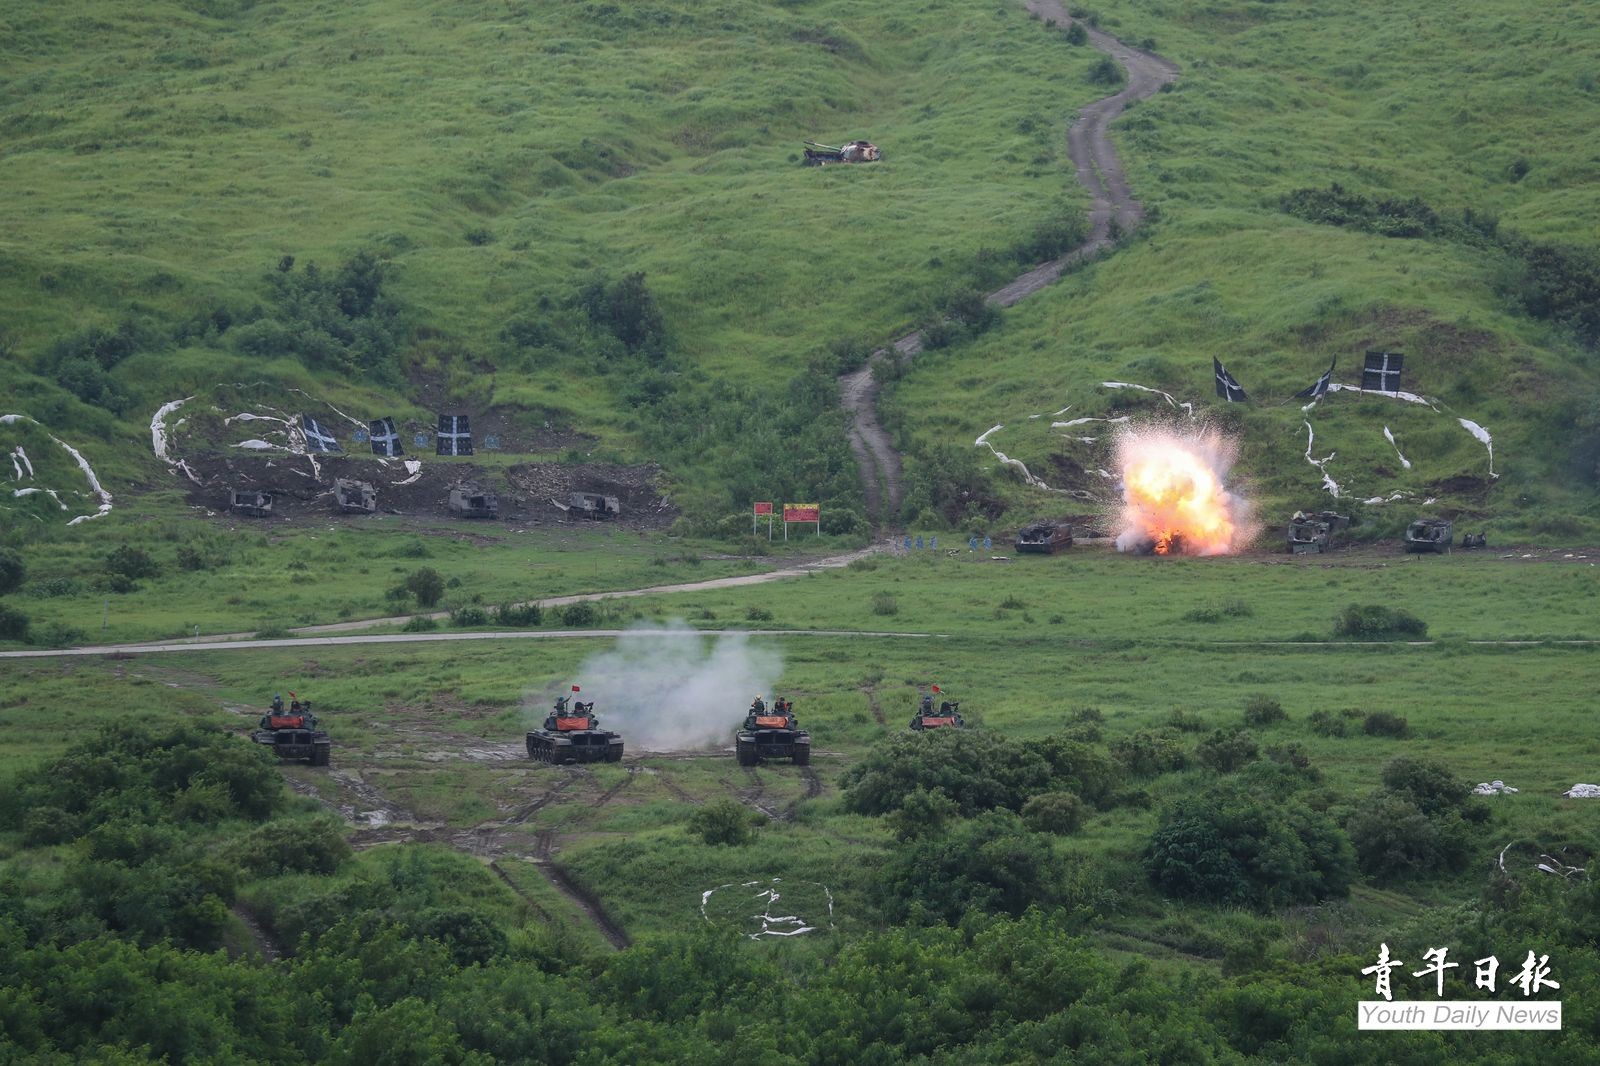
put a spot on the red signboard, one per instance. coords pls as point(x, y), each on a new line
point(764, 508)
point(802, 512)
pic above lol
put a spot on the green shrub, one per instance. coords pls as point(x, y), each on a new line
point(1237, 845)
point(1384, 724)
point(12, 571)
point(1077, 768)
point(1226, 750)
point(757, 614)
point(1185, 721)
point(1429, 784)
point(977, 770)
point(1328, 724)
point(419, 623)
point(469, 615)
point(922, 813)
point(13, 623)
point(1146, 754)
point(1216, 612)
point(1061, 813)
point(989, 864)
point(522, 615)
point(1377, 622)
point(1106, 72)
point(884, 603)
point(1293, 755)
point(129, 562)
point(303, 845)
point(723, 823)
point(579, 615)
point(1077, 35)
point(1262, 710)
point(427, 585)
point(1395, 839)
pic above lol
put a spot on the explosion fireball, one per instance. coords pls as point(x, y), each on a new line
point(1174, 492)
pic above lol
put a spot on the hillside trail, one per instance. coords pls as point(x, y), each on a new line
point(1099, 171)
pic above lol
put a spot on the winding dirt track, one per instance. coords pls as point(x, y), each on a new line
point(1099, 171)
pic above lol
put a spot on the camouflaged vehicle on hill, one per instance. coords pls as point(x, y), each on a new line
point(855, 152)
point(471, 502)
point(1045, 538)
point(250, 504)
point(354, 497)
point(1314, 533)
point(1430, 535)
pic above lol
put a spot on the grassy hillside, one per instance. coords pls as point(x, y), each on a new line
point(495, 158)
point(1487, 109)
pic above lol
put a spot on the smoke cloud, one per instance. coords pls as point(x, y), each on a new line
point(667, 688)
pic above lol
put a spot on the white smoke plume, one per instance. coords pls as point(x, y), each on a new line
point(667, 688)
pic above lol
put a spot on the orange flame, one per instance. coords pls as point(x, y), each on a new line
point(1174, 496)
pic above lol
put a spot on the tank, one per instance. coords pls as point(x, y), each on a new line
point(354, 497)
point(1429, 535)
point(293, 734)
point(772, 733)
point(250, 504)
point(1045, 538)
point(593, 505)
point(948, 716)
point(573, 734)
point(855, 152)
point(1313, 533)
point(471, 502)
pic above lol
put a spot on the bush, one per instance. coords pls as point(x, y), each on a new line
point(579, 615)
point(419, 623)
point(519, 614)
point(978, 771)
point(426, 585)
point(922, 813)
point(884, 603)
point(1216, 612)
point(13, 623)
point(1185, 722)
point(723, 823)
point(1428, 784)
point(1384, 724)
point(469, 615)
point(990, 864)
point(131, 563)
point(1293, 755)
point(1146, 754)
point(12, 571)
point(1061, 813)
point(1329, 724)
point(1260, 710)
point(757, 614)
point(1106, 72)
point(1077, 768)
point(306, 846)
point(1235, 845)
point(1077, 35)
point(1395, 839)
point(1376, 622)
point(1226, 750)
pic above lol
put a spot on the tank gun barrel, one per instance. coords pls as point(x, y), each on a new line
point(824, 147)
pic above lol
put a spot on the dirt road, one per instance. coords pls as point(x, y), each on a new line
point(1098, 170)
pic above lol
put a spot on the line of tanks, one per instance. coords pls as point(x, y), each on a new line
point(466, 501)
point(571, 732)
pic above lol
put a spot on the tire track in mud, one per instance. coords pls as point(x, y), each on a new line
point(1099, 171)
point(553, 793)
point(264, 942)
point(611, 793)
point(557, 875)
point(872, 702)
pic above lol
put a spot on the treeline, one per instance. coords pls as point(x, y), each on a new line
point(130, 852)
point(1550, 282)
